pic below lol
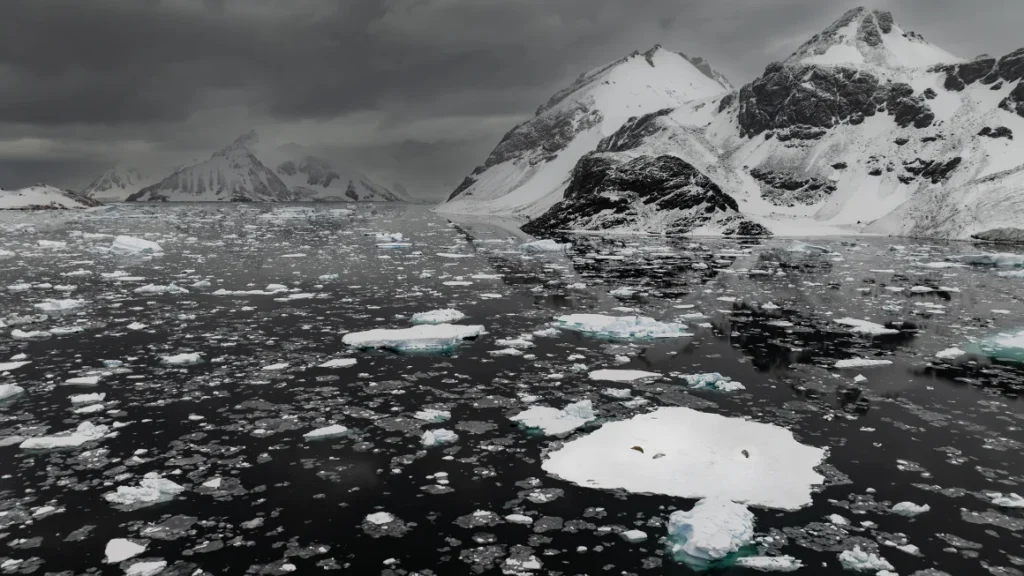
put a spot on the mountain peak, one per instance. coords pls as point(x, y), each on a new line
point(863, 37)
point(244, 143)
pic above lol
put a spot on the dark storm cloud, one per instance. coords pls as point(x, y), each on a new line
point(185, 76)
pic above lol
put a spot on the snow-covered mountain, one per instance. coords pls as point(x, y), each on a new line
point(42, 197)
point(117, 184)
point(245, 171)
point(528, 171)
point(866, 128)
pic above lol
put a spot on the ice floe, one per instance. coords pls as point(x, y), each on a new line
point(121, 549)
point(865, 327)
point(183, 359)
point(332, 431)
point(424, 338)
point(51, 305)
point(690, 454)
point(770, 563)
point(620, 327)
point(553, 421)
point(622, 375)
point(713, 381)
point(338, 363)
point(863, 561)
point(85, 432)
point(132, 245)
point(543, 246)
point(8, 366)
point(439, 436)
point(713, 529)
point(862, 363)
point(152, 489)
point(10, 391)
point(446, 316)
point(155, 289)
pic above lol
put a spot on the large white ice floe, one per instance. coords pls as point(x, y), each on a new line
point(622, 375)
point(8, 366)
point(132, 245)
point(865, 327)
point(1012, 500)
point(152, 489)
point(338, 363)
point(713, 529)
point(553, 421)
point(85, 432)
point(332, 431)
point(863, 561)
point(770, 563)
point(151, 568)
point(446, 316)
point(424, 338)
point(183, 359)
point(620, 327)
point(121, 549)
point(689, 454)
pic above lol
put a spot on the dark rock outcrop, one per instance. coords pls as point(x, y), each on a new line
point(997, 132)
point(1004, 235)
point(783, 189)
point(607, 192)
point(935, 171)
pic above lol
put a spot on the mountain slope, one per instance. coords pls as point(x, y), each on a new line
point(529, 169)
point(117, 184)
point(232, 174)
point(42, 197)
point(866, 128)
point(314, 179)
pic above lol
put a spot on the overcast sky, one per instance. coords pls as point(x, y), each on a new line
point(417, 91)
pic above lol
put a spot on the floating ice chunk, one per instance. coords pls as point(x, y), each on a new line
point(332, 431)
point(620, 327)
point(439, 436)
point(542, 246)
point(201, 284)
point(862, 363)
point(132, 245)
point(51, 305)
point(389, 237)
point(83, 381)
point(275, 367)
point(155, 289)
point(865, 327)
point(52, 244)
point(1007, 500)
point(1011, 274)
point(91, 409)
point(623, 292)
point(6, 253)
point(10, 391)
point(860, 560)
point(136, 326)
point(338, 363)
point(453, 255)
point(394, 245)
point(506, 352)
point(272, 288)
point(713, 380)
point(446, 316)
point(8, 366)
point(553, 421)
point(691, 454)
point(146, 568)
point(431, 415)
point(64, 331)
point(910, 509)
point(710, 531)
point(152, 489)
point(32, 335)
point(86, 432)
point(519, 519)
point(622, 375)
point(996, 259)
point(634, 535)
point(433, 337)
point(121, 549)
point(380, 518)
point(184, 359)
point(770, 563)
point(1006, 346)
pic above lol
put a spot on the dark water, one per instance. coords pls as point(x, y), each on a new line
point(937, 433)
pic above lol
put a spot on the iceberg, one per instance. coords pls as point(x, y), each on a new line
point(446, 316)
point(425, 338)
point(620, 327)
point(86, 432)
point(994, 259)
point(713, 529)
point(865, 327)
point(685, 453)
point(553, 421)
point(10, 391)
point(538, 246)
point(1008, 346)
point(622, 375)
point(51, 305)
point(910, 509)
point(152, 489)
point(332, 431)
point(439, 436)
point(862, 561)
point(713, 381)
point(132, 245)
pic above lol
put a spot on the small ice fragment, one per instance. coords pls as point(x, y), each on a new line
point(338, 363)
point(622, 375)
point(155, 289)
point(714, 381)
point(861, 363)
point(770, 563)
point(146, 568)
point(51, 305)
point(910, 509)
point(152, 489)
point(184, 359)
point(275, 367)
point(519, 519)
point(634, 535)
point(865, 327)
point(620, 327)
point(380, 518)
point(431, 415)
point(121, 549)
point(213, 483)
point(445, 316)
point(136, 326)
point(331, 431)
point(83, 381)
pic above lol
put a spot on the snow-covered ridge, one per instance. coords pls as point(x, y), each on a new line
point(42, 197)
point(117, 184)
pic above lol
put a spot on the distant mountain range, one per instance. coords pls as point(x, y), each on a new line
point(42, 197)
point(244, 172)
point(866, 128)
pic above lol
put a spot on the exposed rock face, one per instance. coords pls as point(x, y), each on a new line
point(1007, 235)
point(787, 190)
point(318, 172)
point(608, 192)
point(936, 171)
point(1009, 68)
point(634, 133)
point(820, 97)
point(997, 132)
